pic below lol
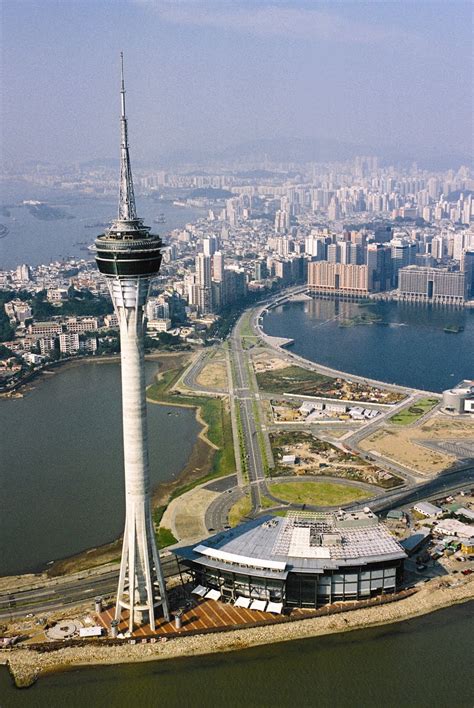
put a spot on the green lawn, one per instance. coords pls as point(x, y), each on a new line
point(317, 493)
point(245, 328)
point(266, 502)
point(414, 412)
point(239, 510)
point(165, 538)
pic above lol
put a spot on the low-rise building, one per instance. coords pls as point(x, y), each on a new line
point(45, 329)
point(111, 320)
point(82, 324)
point(32, 358)
point(467, 545)
point(427, 509)
point(453, 527)
point(159, 325)
point(459, 399)
point(464, 513)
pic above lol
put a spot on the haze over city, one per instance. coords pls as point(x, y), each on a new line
point(390, 78)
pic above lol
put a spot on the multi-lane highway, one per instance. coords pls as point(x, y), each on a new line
point(59, 593)
point(244, 399)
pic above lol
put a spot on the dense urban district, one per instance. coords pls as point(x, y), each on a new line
point(278, 515)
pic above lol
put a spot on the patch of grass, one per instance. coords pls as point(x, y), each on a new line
point(239, 510)
point(418, 409)
point(165, 538)
point(266, 503)
point(245, 328)
point(317, 493)
point(158, 514)
point(294, 379)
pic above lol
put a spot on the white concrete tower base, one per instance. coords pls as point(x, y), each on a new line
point(141, 586)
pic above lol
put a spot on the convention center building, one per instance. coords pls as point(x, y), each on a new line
point(304, 559)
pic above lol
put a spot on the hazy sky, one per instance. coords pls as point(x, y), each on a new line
point(204, 73)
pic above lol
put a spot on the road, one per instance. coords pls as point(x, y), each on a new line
point(192, 372)
point(59, 593)
point(244, 399)
point(441, 485)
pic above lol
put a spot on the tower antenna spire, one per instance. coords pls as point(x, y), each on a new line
point(127, 210)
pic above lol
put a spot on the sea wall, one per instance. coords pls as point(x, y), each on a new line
point(27, 665)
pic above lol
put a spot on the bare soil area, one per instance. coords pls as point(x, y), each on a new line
point(265, 360)
point(315, 457)
point(214, 375)
point(400, 444)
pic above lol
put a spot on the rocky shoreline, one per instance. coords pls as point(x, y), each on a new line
point(26, 666)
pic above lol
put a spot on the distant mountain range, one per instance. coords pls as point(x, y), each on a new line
point(300, 150)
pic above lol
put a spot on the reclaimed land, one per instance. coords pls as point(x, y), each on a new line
point(215, 456)
point(304, 382)
point(27, 665)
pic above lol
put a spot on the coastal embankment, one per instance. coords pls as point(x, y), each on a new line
point(280, 345)
point(28, 665)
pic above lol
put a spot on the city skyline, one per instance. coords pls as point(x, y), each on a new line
point(389, 76)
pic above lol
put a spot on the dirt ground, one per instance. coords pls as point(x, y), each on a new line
point(401, 443)
point(185, 515)
point(267, 361)
point(333, 463)
point(443, 427)
point(214, 375)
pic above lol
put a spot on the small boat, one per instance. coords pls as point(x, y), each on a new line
point(454, 329)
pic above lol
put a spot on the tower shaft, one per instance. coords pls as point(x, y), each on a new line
point(141, 584)
point(128, 255)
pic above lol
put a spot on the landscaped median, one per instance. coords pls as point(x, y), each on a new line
point(412, 413)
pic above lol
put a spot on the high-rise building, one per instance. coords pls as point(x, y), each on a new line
point(467, 266)
point(338, 277)
point(204, 283)
point(403, 254)
point(334, 253)
point(438, 247)
point(218, 267)
point(234, 286)
point(379, 263)
point(432, 285)
point(349, 252)
point(129, 256)
point(68, 342)
point(209, 245)
point(23, 273)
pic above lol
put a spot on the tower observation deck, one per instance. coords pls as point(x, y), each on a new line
point(129, 256)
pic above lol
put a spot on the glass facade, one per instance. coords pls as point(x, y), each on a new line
point(345, 584)
point(303, 589)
